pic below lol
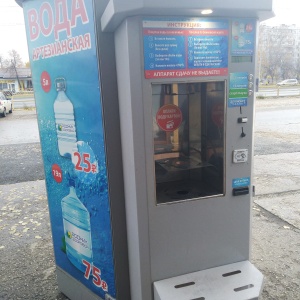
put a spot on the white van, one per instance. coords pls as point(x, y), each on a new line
point(288, 82)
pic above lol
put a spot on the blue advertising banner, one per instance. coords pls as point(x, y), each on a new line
point(243, 37)
point(238, 89)
point(64, 63)
point(185, 47)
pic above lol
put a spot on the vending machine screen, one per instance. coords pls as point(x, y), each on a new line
point(188, 138)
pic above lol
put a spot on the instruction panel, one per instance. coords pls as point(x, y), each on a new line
point(189, 47)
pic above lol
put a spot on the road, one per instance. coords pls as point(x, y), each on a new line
point(276, 210)
point(278, 126)
point(26, 101)
point(27, 265)
point(19, 145)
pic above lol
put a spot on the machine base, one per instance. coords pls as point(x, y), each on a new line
point(237, 281)
point(72, 288)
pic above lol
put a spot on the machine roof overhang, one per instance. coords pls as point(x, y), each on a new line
point(117, 10)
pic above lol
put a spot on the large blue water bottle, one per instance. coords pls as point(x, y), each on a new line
point(77, 229)
point(64, 120)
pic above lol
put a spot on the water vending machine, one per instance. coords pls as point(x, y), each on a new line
point(145, 112)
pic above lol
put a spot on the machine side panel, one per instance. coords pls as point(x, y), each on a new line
point(132, 132)
point(110, 106)
point(65, 70)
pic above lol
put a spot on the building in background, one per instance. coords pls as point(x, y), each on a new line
point(15, 80)
point(278, 53)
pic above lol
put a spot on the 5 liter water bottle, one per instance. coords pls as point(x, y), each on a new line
point(64, 120)
point(77, 229)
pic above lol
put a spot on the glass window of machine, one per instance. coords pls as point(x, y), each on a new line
point(188, 134)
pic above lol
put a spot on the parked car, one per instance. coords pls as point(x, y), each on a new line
point(5, 105)
point(288, 82)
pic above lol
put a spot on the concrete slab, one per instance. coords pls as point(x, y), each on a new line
point(277, 173)
point(285, 206)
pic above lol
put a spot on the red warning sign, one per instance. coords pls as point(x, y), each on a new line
point(169, 117)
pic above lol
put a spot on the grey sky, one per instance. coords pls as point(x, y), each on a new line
point(287, 12)
point(12, 28)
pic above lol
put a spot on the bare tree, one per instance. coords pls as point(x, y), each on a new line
point(12, 64)
point(15, 58)
point(2, 61)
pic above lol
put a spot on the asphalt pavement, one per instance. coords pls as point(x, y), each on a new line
point(27, 267)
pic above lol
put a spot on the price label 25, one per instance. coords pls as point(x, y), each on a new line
point(96, 273)
point(83, 163)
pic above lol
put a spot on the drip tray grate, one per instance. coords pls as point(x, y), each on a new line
point(237, 281)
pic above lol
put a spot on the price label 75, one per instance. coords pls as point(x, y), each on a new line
point(96, 273)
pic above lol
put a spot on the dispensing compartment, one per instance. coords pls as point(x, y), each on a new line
point(189, 143)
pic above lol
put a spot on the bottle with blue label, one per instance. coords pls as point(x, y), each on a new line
point(77, 229)
point(64, 121)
